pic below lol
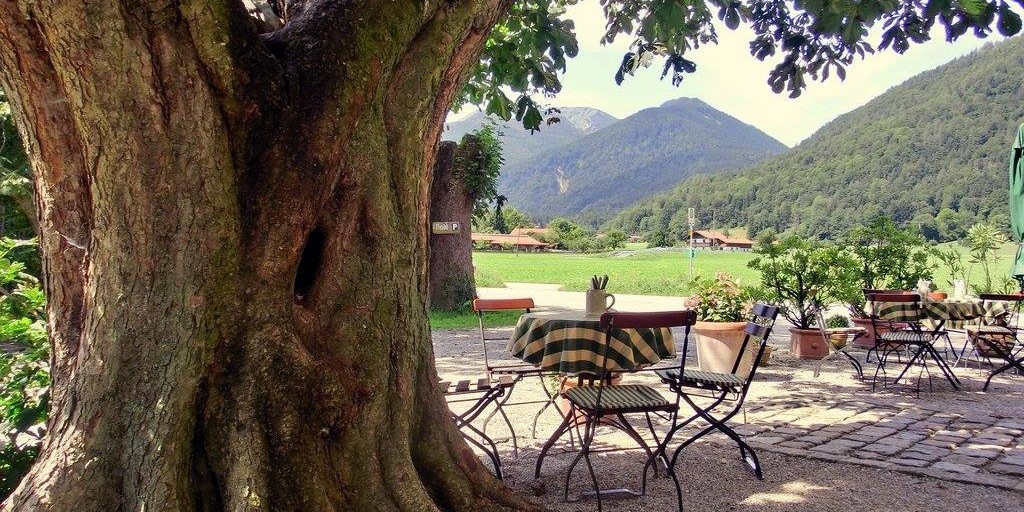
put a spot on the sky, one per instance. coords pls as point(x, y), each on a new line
point(731, 80)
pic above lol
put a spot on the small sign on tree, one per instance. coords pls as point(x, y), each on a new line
point(444, 228)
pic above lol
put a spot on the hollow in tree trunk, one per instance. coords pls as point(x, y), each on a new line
point(233, 234)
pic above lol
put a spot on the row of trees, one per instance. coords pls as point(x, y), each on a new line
point(800, 273)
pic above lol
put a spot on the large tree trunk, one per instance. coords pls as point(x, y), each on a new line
point(233, 234)
point(452, 283)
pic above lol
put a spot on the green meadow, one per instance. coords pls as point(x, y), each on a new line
point(637, 272)
point(648, 272)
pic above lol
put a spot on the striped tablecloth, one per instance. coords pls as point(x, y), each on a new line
point(954, 313)
point(570, 343)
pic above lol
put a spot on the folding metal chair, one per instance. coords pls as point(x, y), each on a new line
point(516, 370)
point(894, 326)
point(999, 342)
point(720, 388)
point(482, 393)
point(906, 309)
point(602, 403)
point(847, 334)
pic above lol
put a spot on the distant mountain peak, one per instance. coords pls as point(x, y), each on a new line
point(518, 143)
point(929, 153)
point(687, 102)
point(598, 174)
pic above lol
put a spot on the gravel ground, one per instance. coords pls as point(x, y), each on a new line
point(712, 476)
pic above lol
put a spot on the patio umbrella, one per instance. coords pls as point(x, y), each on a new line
point(1017, 204)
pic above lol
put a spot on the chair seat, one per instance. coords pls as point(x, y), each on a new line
point(989, 330)
point(474, 386)
point(906, 337)
point(624, 397)
point(722, 380)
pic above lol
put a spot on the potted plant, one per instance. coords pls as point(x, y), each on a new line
point(798, 276)
point(722, 307)
point(838, 326)
point(886, 257)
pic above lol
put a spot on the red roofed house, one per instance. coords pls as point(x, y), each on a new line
point(710, 239)
point(530, 232)
point(499, 241)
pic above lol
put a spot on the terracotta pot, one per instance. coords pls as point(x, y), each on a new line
point(868, 340)
point(807, 343)
point(718, 346)
point(938, 295)
point(839, 340)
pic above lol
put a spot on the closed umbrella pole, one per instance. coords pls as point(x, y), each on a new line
point(1017, 204)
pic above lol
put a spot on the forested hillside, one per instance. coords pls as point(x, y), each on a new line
point(597, 175)
point(519, 144)
point(931, 152)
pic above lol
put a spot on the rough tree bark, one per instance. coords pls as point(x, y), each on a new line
point(451, 255)
point(233, 234)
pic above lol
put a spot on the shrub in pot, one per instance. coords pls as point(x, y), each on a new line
point(798, 275)
point(722, 307)
point(840, 323)
point(885, 257)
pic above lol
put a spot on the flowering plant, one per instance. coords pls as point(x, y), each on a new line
point(719, 299)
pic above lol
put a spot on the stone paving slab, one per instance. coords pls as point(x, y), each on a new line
point(978, 449)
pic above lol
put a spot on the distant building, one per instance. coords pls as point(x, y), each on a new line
point(710, 239)
point(518, 242)
point(530, 232)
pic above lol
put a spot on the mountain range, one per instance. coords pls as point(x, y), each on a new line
point(519, 144)
point(931, 153)
point(590, 166)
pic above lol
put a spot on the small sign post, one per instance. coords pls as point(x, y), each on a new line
point(691, 219)
point(444, 228)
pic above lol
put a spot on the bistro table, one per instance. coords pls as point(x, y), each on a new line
point(937, 314)
point(955, 313)
point(569, 342)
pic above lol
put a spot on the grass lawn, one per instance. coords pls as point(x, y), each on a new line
point(466, 319)
point(648, 272)
point(653, 272)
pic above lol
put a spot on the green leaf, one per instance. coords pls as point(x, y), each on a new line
point(1009, 22)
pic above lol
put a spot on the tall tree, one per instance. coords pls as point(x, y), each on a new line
point(232, 217)
point(465, 181)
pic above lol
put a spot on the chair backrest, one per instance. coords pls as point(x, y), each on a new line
point(1013, 298)
point(758, 329)
point(612, 320)
point(481, 306)
point(908, 303)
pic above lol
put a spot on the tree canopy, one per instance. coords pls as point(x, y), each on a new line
point(528, 50)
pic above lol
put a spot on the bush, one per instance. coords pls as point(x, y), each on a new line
point(886, 258)
point(719, 299)
point(570, 236)
point(799, 275)
point(659, 238)
point(24, 367)
point(837, 322)
point(615, 239)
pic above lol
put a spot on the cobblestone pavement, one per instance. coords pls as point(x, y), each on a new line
point(983, 448)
